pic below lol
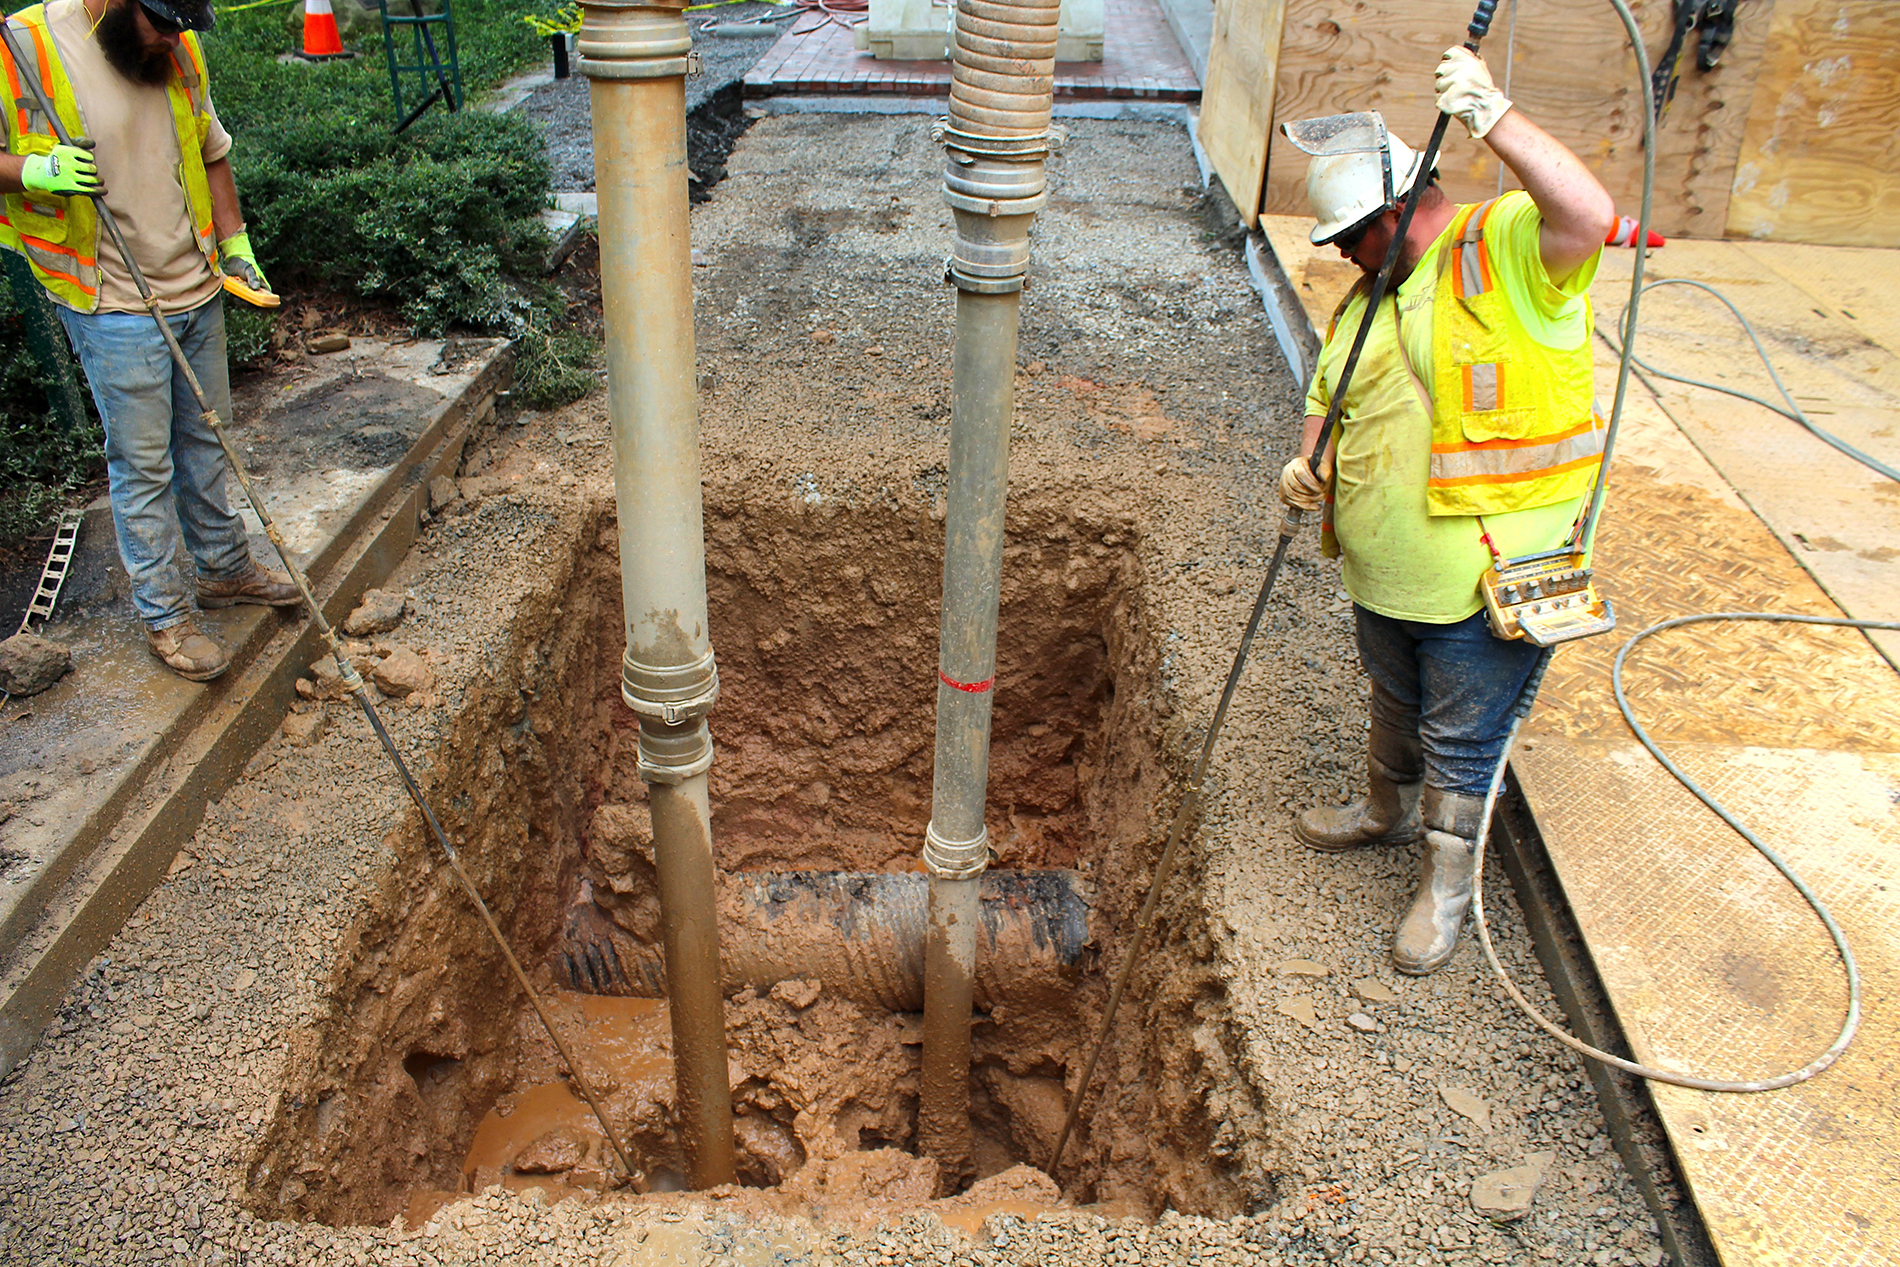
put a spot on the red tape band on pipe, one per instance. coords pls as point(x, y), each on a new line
point(974, 688)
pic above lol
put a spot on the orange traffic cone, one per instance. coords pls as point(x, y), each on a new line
point(320, 38)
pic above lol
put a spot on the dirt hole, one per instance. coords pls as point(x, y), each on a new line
point(429, 1076)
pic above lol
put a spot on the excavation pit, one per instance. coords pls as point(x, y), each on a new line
point(430, 1076)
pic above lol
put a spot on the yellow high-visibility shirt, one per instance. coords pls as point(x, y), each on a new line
point(1399, 560)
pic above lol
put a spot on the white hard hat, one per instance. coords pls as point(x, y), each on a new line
point(1343, 189)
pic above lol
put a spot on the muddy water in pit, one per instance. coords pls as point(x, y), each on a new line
point(429, 1077)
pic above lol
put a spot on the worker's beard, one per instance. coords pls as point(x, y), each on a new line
point(124, 47)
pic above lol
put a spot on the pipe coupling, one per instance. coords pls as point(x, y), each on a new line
point(671, 694)
point(621, 40)
point(673, 754)
point(956, 859)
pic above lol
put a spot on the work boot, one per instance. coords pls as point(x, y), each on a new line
point(259, 585)
point(1429, 932)
point(1389, 813)
point(188, 653)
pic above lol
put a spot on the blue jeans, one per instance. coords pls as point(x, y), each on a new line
point(163, 465)
point(1451, 685)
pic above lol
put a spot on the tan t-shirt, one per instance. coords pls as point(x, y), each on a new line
point(137, 147)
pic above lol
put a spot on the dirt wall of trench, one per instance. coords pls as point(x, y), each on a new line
point(824, 619)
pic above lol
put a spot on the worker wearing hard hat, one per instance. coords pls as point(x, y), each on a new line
point(1469, 434)
point(127, 80)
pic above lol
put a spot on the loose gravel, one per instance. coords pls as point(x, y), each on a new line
point(1150, 381)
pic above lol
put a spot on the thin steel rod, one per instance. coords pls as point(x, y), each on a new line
point(360, 691)
point(1164, 867)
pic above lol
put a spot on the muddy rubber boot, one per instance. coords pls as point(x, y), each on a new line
point(1429, 933)
point(1389, 813)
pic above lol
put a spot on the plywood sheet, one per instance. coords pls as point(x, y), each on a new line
point(1840, 520)
point(1237, 101)
point(1820, 159)
point(1320, 277)
point(1711, 962)
point(1716, 966)
point(1571, 71)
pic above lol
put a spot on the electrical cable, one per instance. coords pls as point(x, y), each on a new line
point(1626, 359)
point(1695, 1082)
point(1793, 412)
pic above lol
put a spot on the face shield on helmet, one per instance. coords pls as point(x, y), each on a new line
point(1358, 169)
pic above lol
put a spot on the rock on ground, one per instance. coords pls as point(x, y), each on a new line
point(378, 613)
point(29, 664)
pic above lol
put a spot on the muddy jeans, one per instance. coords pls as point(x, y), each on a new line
point(1451, 685)
point(163, 466)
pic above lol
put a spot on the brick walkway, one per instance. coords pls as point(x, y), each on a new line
point(1140, 60)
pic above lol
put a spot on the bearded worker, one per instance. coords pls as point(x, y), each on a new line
point(127, 79)
point(1470, 433)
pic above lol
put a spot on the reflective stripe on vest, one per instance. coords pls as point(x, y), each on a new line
point(1514, 423)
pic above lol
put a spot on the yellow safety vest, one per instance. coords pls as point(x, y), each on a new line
point(1514, 423)
point(60, 235)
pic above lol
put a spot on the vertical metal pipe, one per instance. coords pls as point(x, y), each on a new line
point(995, 140)
point(635, 57)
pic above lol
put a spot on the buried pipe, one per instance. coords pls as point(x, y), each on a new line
point(995, 140)
point(860, 936)
point(635, 58)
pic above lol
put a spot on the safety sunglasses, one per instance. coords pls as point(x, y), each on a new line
point(160, 23)
point(1349, 240)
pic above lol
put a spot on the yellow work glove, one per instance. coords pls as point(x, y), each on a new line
point(1299, 487)
point(1466, 93)
point(242, 276)
point(66, 171)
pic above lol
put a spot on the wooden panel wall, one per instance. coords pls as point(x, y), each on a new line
point(1820, 160)
point(1237, 100)
point(1571, 72)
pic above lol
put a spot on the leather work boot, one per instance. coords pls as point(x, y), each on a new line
point(259, 585)
point(1389, 813)
point(1429, 932)
point(188, 653)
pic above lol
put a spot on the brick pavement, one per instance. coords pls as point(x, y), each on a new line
point(1140, 59)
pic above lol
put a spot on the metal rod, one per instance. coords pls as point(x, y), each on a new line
point(635, 58)
point(1164, 866)
point(1475, 33)
point(352, 681)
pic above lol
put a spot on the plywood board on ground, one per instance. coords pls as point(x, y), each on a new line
point(1237, 101)
point(1820, 158)
point(1716, 966)
point(1839, 519)
point(1710, 960)
point(1571, 71)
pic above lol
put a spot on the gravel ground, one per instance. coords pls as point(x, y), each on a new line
point(1149, 380)
point(728, 40)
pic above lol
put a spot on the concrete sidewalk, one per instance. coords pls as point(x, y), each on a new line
point(102, 774)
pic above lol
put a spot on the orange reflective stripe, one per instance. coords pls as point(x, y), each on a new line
point(1469, 446)
point(84, 261)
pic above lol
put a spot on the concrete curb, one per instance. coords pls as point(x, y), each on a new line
point(126, 847)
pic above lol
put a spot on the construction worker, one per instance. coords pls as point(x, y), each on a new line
point(127, 78)
point(1469, 433)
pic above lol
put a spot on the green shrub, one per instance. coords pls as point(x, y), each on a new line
point(440, 222)
point(41, 461)
point(247, 332)
point(435, 221)
point(554, 367)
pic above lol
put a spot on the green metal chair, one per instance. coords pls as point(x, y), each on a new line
point(435, 78)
